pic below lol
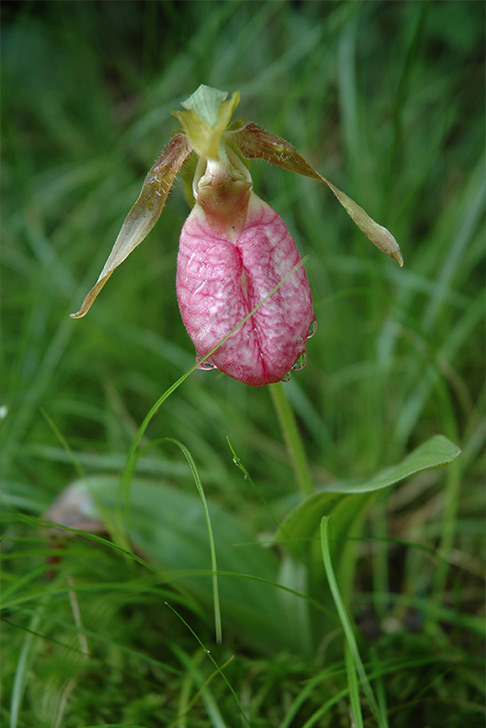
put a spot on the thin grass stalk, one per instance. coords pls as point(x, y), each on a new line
point(195, 678)
point(212, 546)
point(219, 668)
point(20, 678)
point(347, 627)
point(353, 686)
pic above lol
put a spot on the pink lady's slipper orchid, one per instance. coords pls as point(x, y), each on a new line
point(243, 293)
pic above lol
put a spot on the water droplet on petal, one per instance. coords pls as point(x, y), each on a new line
point(312, 329)
point(206, 365)
point(300, 362)
point(287, 377)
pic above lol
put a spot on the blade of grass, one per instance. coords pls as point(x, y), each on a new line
point(212, 709)
point(346, 625)
point(22, 667)
point(353, 687)
point(218, 668)
point(212, 547)
point(375, 668)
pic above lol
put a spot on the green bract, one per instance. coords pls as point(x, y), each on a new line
point(207, 134)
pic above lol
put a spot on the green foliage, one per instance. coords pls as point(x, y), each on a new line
point(387, 99)
point(303, 522)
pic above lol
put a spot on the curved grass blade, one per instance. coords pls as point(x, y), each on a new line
point(212, 547)
point(23, 666)
point(348, 629)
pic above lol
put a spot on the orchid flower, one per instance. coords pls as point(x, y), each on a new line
point(238, 269)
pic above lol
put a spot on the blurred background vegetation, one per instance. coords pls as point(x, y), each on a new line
point(387, 100)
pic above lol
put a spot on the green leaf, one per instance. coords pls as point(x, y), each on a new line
point(435, 453)
point(168, 528)
point(303, 522)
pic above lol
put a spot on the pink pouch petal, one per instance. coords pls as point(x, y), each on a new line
point(223, 275)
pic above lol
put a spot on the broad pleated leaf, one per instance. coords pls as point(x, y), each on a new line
point(255, 142)
point(144, 213)
point(167, 527)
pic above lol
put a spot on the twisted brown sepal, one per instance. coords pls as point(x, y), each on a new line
point(254, 142)
point(144, 213)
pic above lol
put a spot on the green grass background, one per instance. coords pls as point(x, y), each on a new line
point(387, 100)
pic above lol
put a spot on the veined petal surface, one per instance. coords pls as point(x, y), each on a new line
point(220, 280)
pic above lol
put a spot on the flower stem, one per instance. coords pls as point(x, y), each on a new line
point(292, 438)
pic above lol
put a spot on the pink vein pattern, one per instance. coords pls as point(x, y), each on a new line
point(222, 276)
